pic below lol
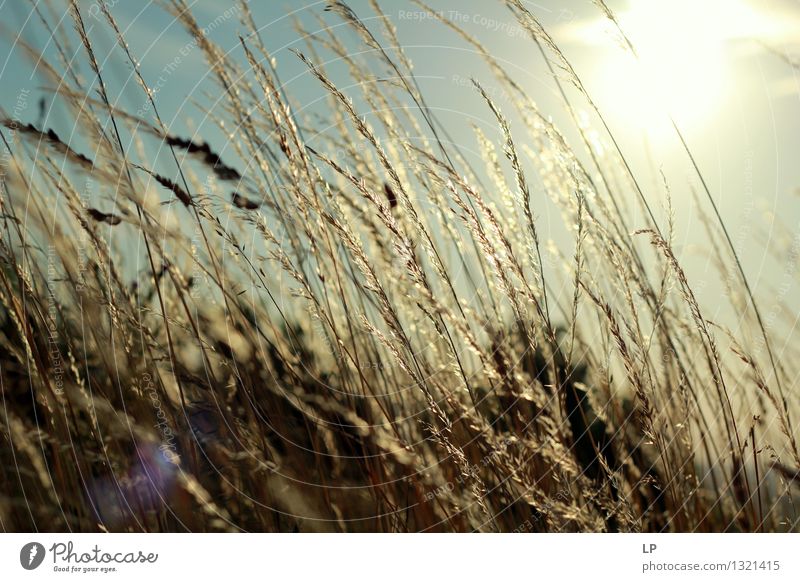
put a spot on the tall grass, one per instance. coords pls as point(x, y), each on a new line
point(362, 328)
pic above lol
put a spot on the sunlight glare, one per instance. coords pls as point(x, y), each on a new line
point(682, 67)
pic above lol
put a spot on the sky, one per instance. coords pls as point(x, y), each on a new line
point(723, 68)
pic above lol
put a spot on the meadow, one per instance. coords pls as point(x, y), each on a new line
point(352, 322)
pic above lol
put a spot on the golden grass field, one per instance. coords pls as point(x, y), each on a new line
point(363, 328)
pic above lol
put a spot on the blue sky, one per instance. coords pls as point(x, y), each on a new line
point(736, 101)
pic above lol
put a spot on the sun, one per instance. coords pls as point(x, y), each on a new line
point(682, 65)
